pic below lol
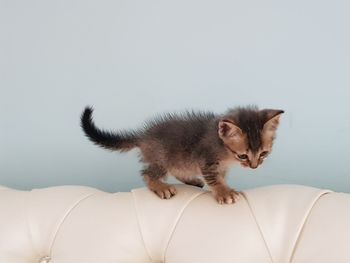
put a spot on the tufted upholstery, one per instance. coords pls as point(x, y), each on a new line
point(74, 224)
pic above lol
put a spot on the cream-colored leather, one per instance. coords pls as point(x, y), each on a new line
point(74, 224)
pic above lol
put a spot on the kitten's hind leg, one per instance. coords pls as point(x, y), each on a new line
point(191, 181)
point(153, 175)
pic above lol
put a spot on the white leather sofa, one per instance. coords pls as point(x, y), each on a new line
point(74, 224)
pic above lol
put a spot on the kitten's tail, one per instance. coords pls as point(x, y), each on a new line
point(121, 141)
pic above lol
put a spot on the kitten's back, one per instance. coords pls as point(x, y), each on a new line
point(179, 128)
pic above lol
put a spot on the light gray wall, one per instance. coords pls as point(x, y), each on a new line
point(133, 59)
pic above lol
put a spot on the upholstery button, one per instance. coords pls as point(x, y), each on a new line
point(45, 259)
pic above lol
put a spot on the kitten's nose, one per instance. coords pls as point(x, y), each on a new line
point(254, 163)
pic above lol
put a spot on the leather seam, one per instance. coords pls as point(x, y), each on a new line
point(139, 227)
point(172, 231)
point(258, 226)
point(306, 217)
point(63, 219)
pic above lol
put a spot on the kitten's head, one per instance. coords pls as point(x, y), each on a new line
point(248, 133)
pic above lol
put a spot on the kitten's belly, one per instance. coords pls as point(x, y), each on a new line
point(188, 171)
point(185, 172)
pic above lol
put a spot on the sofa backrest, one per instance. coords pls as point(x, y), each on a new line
point(279, 224)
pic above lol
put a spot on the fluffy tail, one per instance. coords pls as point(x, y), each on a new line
point(120, 141)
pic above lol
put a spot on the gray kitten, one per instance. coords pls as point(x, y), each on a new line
point(194, 144)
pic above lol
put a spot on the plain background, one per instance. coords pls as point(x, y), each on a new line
point(134, 59)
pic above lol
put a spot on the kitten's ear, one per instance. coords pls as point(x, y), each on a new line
point(229, 130)
point(272, 118)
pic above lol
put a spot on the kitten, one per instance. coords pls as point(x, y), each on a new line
point(193, 145)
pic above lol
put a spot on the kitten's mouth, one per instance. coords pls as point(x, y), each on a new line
point(244, 165)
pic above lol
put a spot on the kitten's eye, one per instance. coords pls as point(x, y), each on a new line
point(242, 156)
point(263, 154)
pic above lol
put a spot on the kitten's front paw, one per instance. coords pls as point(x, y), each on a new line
point(165, 191)
point(226, 196)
